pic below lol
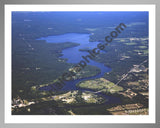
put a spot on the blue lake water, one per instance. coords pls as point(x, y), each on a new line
point(75, 56)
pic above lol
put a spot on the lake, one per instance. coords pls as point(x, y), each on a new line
point(74, 55)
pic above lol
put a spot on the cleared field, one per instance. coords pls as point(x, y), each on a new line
point(130, 43)
point(142, 47)
point(100, 84)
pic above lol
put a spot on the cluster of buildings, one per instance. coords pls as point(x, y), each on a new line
point(18, 102)
point(128, 93)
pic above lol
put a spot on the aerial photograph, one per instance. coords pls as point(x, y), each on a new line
point(80, 63)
